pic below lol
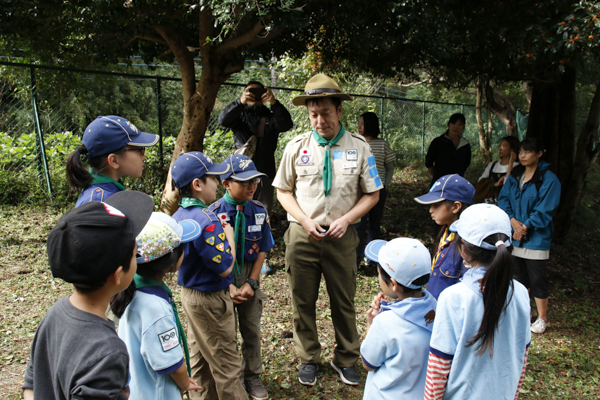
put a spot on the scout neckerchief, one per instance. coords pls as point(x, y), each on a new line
point(445, 241)
point(141, 282)
point(240, 227)
point(328, 144)
point(187, 202)
point(98, 178)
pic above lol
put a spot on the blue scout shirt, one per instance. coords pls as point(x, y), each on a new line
point(97, 192)
point(398, 346)
point(446, 267)
point(457, 320)
point(258, 231)
point(149, 330)
point(207, 256)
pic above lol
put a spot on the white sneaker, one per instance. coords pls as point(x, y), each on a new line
point(539, 326)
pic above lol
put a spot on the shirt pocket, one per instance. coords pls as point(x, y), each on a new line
point(348, 180)
point(308, 180)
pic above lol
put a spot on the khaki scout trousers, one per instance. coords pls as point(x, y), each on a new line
point(305, 261)
point(214, 359)
point(248, 315)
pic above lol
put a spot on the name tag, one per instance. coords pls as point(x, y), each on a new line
point(351, 164)
point(260, 218)
point(254, 228)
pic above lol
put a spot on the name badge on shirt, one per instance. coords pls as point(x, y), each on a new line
point(168, 340)
point(254, 228)
point(351, 155)
point(260, 218)
point(351, 164)
point(223, 217)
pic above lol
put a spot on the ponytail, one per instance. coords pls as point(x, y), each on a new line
point(78, 175)
point(497, 285)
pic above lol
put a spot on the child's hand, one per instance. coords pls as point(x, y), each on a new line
point(246, 291)
point(376, 303)
point(192, 385)
point(370, 315)
point(236, 295)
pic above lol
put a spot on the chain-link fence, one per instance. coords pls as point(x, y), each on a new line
point(43, 115)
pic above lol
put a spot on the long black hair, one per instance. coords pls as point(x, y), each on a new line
point(78, 175)
point(497, 288)
point(162, 265)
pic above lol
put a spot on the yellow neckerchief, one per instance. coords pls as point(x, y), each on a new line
point(445, 241)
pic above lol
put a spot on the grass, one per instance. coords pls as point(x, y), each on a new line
point(563, 361)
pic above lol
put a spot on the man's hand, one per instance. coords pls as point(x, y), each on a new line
point(268, 96)
point(338, 228)
point(236, 295)
point(247, 96)
point(313, 229)
point(246, 291)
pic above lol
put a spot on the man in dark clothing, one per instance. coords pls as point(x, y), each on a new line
point(449, 153)
point(249, 116)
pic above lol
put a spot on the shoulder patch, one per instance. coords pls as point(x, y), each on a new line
point(97, 194)
point(258, 203)
point(211, 216)
point(168, 340)
point(214, 206)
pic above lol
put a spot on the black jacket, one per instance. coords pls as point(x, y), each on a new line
point(242, 120)
point(446, 159)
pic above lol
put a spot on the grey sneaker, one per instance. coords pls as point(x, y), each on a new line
point(256, 389)
point(348, 375)
point(308, 374)
point(539, 326)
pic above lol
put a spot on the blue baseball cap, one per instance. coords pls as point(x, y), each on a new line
point(241, 168)
point(192, 165)
point(110, 133)
point(480, 221)
point(449, 187)
point(404, 259)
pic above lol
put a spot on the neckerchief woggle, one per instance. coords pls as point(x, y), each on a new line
point(328, 144)
point(187, 202)
point(141, 282)
point(240, 227)
point(98, 178)
point(445, 241)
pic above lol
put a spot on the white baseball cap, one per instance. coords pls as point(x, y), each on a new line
point(404, 259)
point(479, 221)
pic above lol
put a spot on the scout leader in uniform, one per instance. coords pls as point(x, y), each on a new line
point(326, 182)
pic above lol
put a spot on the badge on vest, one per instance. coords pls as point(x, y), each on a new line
point(351, 155)
point(260, 218)
point(351, 164)
point(168, 340)
point(223, 217)
point(305, 152)
point(254, 228)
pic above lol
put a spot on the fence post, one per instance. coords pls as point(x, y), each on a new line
point(38, 130)
point(423, 134)
point(383, 120)
point(159, 110)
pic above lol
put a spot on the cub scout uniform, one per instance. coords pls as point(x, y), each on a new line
point(258, 238)
point(209, 308)
point(301, 172)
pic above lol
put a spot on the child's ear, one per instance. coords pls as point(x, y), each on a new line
point(456, 207)
point(112, 161)
point(395, 287)
point(115, 277)
point(226, 184)
point(196, 185)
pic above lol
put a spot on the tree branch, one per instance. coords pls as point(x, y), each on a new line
point(267, 38)
point(242, 39)
point(148, 36)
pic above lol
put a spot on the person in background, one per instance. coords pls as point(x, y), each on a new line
point(369, 227)
point(113, 148)
point(529, 196)
point(500, 170)
point(449, 153)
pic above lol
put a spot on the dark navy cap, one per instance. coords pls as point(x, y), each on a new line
point(449, 187)
point(192, 165)
point(110, 133)
point(241, 168)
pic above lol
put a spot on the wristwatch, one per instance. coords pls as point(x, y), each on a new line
point(254, 284)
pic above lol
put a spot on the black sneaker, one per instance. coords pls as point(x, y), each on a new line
point(348, 375)
point(308, 374)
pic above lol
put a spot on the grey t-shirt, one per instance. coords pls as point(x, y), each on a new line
point(77, 355)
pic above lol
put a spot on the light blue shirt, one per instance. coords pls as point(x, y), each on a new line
point(148, 329)
point(458, 317)
point(397, 346)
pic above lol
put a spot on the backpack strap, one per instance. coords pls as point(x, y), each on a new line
point(492, 169)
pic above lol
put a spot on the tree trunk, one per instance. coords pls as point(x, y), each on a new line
point(543, 119)
point(584, 156)
point(567, 119)
point(502, 107)
point(484, 147)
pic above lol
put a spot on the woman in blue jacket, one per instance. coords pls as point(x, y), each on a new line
point(529, 197)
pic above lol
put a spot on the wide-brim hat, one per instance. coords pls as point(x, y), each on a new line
point(320, 85)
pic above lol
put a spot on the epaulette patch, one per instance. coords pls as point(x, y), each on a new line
point(356, 135)
point(211, 216)
point(214, 206)
point(217, 259)
point(211, 240)
point(258, 203)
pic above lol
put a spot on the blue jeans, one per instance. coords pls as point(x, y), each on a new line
point(369, 227)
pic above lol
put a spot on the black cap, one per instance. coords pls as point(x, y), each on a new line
point(89, 242)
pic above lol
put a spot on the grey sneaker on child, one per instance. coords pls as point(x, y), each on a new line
point(256, 389)
point(308, 374)
point(539, 326)
point(348, 375)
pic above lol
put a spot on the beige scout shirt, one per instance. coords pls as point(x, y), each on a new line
point(301, 173)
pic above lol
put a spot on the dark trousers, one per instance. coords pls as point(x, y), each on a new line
point(369, 227)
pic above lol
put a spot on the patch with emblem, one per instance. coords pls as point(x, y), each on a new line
point(210, 228)
point(260, 218)
point(338, 154)
point(228, 251)
point(351, 155)
point(223, 217)
point(255, 247)
point(305, 159)
point(168, 340)
point(254, 228)
point(305, 152)
point(351, 164)
point(217, 259)
point(250, 252)
point(244, 164)
point(221, 235)
point(220, 246)
point(211, 240)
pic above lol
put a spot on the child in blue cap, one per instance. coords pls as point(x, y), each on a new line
point(396, 347)
point(150, 326)
point(253, 239)
point(206, 274)
point(448, 198)
point(113, 148)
